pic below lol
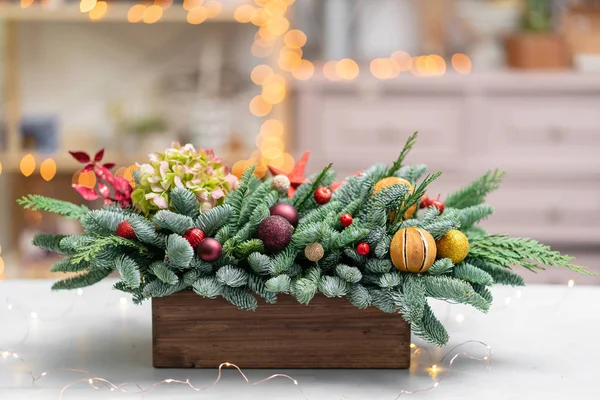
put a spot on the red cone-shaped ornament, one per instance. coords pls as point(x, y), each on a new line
point(125, 230)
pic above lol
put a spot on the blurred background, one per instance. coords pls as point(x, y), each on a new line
point(509, 84)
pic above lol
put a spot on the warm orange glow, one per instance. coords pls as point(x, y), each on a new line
point(461, 63)
point(190, 4)
point(289, 60)
point(260, 73)
point(288, 163)
point(274, 89)
point(152, 14)
point(213, 8)
point(276, 7)
point(120, 171)
point(382, 68)
point(265, 34)
point(26, 3)
point(27, 165)
point(0, 168)
point(436, 65)
point(239, 168)
point(259, 107)
point(347, 69)
point(260, 171)
point(402, 61)
point(164, 3)
point(87, 5)
point(33, 217)
point(271, 128)
point(278, 26)
point(260, 17)
point(197, 15)
point(1, 266)
point(329, 70)
point(272, 155)
point(98, 11)
point(305, 71)
point(295, 39)
point(128, 174)
point(243, 13)
point(260, 51)
point(272, 142)
point(136, 13)
point(48, 169)
point(85, 179)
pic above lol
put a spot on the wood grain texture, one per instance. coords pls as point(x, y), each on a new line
point(189, 331)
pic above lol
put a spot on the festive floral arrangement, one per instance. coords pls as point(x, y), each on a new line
point(375, 238)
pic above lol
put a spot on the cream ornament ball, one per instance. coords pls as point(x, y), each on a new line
point(314, 252)
point(281, 184)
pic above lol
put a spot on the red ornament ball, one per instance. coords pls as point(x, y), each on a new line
point(425, 202)
point(437, 204)
point(125, 230)
point(323, 195)
point(286, 211)
point(194, 236)
point(346, 220)
point(209, 250)
point(363, 249)
point(275, 232)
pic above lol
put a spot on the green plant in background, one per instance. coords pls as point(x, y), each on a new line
point(343, 244)
point(537, 16)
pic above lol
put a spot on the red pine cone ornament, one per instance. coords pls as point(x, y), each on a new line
point(194, 236)
point(346, 220)
point(323, 195)
point(125, 230)
point(363, 249)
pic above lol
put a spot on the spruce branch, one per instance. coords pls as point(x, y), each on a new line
point(349, 274)
point(36, 202)
point(88, 248)
point(472, 274)
point(83, 280)
point(451, 289)
point(65, 265)
point(173, 222)
point(413, 199)
point(476, 192)
point(257, 285)
point(441, 266)
point(469, 216)
point(179, 252)
point(501, 275)
point(410, 142)
point(213, 219)
point(332, 286)
point(48, 241)
point(414, 303)
point(259, 263)
point(232, 276)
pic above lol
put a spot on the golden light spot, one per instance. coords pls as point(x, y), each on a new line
point(275, 79)
point(261, 3)
point(26, 3)
point(1, 266)
point(243, 13)
point(265, 34)
point(260, 17)
point(382, 68)
point(259, 107)
point(420, 66)
point(0, 249)
point(329, 70)
point(87, 5)
point(85, 179)
point(289, 60)
point(278, 26)
point(260, 51)
point(213, 8)
point(197, 15)
point(436, 64)
point(239, 168)
point(190, 4)
point(136, 13)
point(98, 11)
point(120, 171)
point(271, 127)
point(48, 169)
point(402, 61)
point(272, 153)
point(272, 142)
point(305, 71)
point(164, 3)
point(461, 63)
point(128, 174)
point(276, 7)
point(152, 14)
point(288, 163)
point(260, 171)
point(274, 158)
point(260, 73)
point(0, 168)
point(347, 69)
point(27, 165)
point(295, 39)
point(33, 217)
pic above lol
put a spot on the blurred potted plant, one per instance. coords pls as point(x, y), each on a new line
point(140, 133)
point(536, 45)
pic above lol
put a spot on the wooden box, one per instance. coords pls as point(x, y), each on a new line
point(537, 51)
point(189, 331)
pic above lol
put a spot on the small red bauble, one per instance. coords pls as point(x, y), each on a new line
point(437, 204)
point(194, 236)
point(363, 249)
point(323, 195)
point(346, 220)
point(209, 250)
point(125, 230)
point(425, 202)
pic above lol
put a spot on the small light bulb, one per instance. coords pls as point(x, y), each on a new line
point(227, 364)
point(168, 380)
point(5, 354)
point(295, 382)
point(436, 384)
point(485, 358)
point(44, 373)
point(123, 300)
point(91, 381)
point(9, 306)
point(80, 292)
point(434, 367)
point(412, 345)
point(460, 318)
point(15, 355)
point(33, 315)
point(571, 283)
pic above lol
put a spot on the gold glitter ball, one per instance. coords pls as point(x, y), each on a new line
point(314, 252)
point(453, 245)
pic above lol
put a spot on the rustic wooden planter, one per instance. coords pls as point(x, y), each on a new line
point(537, 51)
point(189, 331)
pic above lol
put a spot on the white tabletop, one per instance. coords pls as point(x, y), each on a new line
point(544, 339)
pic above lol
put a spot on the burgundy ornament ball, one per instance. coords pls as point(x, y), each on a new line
point(286, 211)
point(125, 230)
point(209, 249)
point(275, 232)
point(194, 236)
point(346, 220)
point(322, 195)
point(363, 249)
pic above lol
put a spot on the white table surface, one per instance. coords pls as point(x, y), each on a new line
point(545, 342)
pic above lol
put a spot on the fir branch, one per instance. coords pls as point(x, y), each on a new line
point(163, 273)
point(88, 248)
point(232, 276)
point(410, 142)
point(279, 284)
point(430, 328)
point(349, 274)
point(236, 198)
point(244, 249)
point(304, 290)
point(129, 271)
point(256, 284)
point(483, 291)
point(412, 173)
point(332, 286)
point(441, 266)
point(376, 266)
point(412, 199)
point(48, 241)
point(469, 216)
point(208, 287)
point(213, 219)
point(383, 300)
point(390, 280)
point(158, 288)
point(441, 225)
point(173, 222)
point(413, 291)
point(476, 192)
point(314, 274)
point(36, 202)
point(103, 222)
point(65, 265)
point(472, 274)
point(451, 289)
point(505, 251)
point(240, 298)
point(359, 296)
point(282, 261)
point(501, 275)
point(382, 248)
point(83, 280)
point(179, 252)
point(259, 263)
point(185, 202)
point(299, 202)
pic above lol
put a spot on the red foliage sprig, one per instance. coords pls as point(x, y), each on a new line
point(109, 187)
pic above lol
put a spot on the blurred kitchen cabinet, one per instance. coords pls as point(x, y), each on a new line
point(542, 129)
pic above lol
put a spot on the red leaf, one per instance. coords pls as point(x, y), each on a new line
point(86, 192)
point(104, 173)
point(88, 168)
point(99, 155)
point(109, 165)
point(80, 156)
point(104, 190)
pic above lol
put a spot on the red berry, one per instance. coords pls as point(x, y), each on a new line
point(346, 220)
point(363, 249)
point(323, 195)
point(125, 230)
point(194, 236)
point(437, 204)
point(425, 202)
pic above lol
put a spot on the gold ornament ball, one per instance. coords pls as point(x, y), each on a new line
point(413, 250)
point(453, 245)
point(393, 180)
point(314, 252)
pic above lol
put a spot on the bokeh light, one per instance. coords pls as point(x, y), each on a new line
point(259, 107)
point(26, 3)
point(27, 165)
point(402, 61)
point(136, 13)
point(261, 49)
point(295, 39)
point(197, 15)
point(347, 69)
point(278, 26)
point(329, 70)
point(85, 179)
point(33, 217)
point(271, 127)
point(98, 11)
point(1, 266)
point(152, 14)
point(260, 73)
point(48, 169)
point(213, 8)
point(289, 60)
point(243, 13)
point(0, 168)
point(87, 5)
point(260, 17)
point(191, 4)
point(461, 63)
point(305, 70)
point(382, 68)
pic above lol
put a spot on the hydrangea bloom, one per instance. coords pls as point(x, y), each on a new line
point(182, 166)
